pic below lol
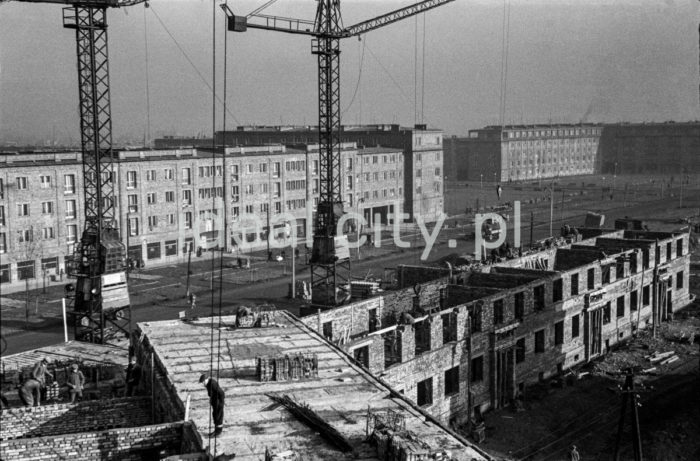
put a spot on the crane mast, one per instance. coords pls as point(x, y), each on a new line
point(330, 260)
point(100, 298)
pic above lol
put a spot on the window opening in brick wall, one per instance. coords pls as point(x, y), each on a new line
point(606, 313)
point(574, 284)
point(361, 356)
point(171, 248)
point(498, 312)
point(606, 274)
point(474, 318)
point(591, 278)
point(452, 381)
point(520, 350)
point(4, 273)
point(373, 320)
point(25, 270)
point(645, 258)
point(679, 248)
point(392, 348)
point(575, 325)
point(328, 330)
point(153, 250)
point(559, 333)
point(520, 305)
point(645, 295)
point(538, 293)
point(539, 341)
point(422, 335)
point(669, 248)
point(476, 372)
point(633, 263)
point(620, 306)
point(557, 290)
point(449, 327)
point(679, 280)
point(425, 392)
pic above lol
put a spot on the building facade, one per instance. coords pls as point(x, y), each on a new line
point(171, 202)
point(650, 148)
point(460, 344)
point(526, 152)
point(422, 149)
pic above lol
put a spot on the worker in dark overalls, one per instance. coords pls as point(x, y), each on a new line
point(216, 399)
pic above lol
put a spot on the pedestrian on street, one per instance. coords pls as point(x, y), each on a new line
point(216, 399)
point(30, 392)
point(133, 377)
point(76, 383)
point(573, 454)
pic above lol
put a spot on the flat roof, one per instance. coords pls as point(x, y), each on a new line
point(341, 395)
point(72, 350)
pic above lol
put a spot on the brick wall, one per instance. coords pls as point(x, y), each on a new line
point(145, 442)
point(66, 418)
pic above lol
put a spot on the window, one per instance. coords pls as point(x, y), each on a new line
point(130, 179)
point(4, 272)
point(679, 280)
point(605, 274)
point(71, 233)
point(264, 207)
point(151, 198)
point(2, 214)
point(539, 341)
point(263, 167)
point(348, 183)
point(22, 183)
point(559, 333)
point(45, 182)
point(449, 327)
point(452, 381)
point(168, 174)
point(235, 213)
point(150, 175)
point(278, 207)
point(25, 236)
point(538, 292)
point(328, 330)
point(634, 301)
point(475, 318)
point(606, 313)
point(520, 350)
point(25, 270)
point(575, 325)
point(476, 372)
point(70, 209)
point(591, 278)
point(188, 220)
point(133, 203)
point(645, 258)
point(669, 247)
point(234, 173)
point(2, 190)
point(620, 306)
point(645, 295)
point(170, 219)
point(3, 243)
point(186, 176)
point(425, 392)
point(46, 208)
point(153, 250)
point(235, 194)
point(249, 189)
point(152, 222)
point(557, 290)
point(277, 190)
point(276, 168)
point(187, 197)
point(574, 284)
point(169, 196)
point(679, 248)
point(47, 233)
point(520, 305)
point(133, 226)
point(22, 209)
point(498, 311)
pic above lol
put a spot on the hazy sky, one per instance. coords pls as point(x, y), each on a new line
point(606, 60)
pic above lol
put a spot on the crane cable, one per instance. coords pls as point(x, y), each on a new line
point(422, 88)
point(359, 78)
point(147, 134)
point(188, 59)
point(213, 174)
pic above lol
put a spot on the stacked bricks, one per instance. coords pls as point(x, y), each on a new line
point(49, 420)
point(146, 442)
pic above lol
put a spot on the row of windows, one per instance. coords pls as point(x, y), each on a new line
point(47, 208)
point(47, 233)
point(557, 132)
point(22, 183)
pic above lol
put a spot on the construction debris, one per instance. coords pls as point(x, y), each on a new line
point(287, 367)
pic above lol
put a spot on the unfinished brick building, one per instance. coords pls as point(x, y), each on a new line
point(458, 344)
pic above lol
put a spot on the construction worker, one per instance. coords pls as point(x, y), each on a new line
point(216, 399)
point(133, 376)
point(573, 454)
point(39, 373)
point(30, 392)
point(76, 382)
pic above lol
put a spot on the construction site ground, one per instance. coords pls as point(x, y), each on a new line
point(583, 408)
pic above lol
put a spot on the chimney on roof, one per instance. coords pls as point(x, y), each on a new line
point(420, 126)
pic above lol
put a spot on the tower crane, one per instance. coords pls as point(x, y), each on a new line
point(100, 297)
point(330, 260)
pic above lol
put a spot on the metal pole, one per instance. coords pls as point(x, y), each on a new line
point(294, 275)
point(153, 380)
point(551, 208)
point(189, 260)
point(26, 304)
point(65, 320)
point(532, 225)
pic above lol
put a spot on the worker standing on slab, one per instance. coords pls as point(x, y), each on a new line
point(133, 377)
point(216, 399)
point(76, 382)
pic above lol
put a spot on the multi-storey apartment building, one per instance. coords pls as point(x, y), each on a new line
point(171, 202)
point(524, 152)
point(634, 148)
point(459, 344)
point(421, 146)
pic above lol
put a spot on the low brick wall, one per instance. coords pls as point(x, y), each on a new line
point(93, 415)
point(137, 443)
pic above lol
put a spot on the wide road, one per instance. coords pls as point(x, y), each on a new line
point(164, 298)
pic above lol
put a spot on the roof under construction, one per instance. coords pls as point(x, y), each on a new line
point(337, 402)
